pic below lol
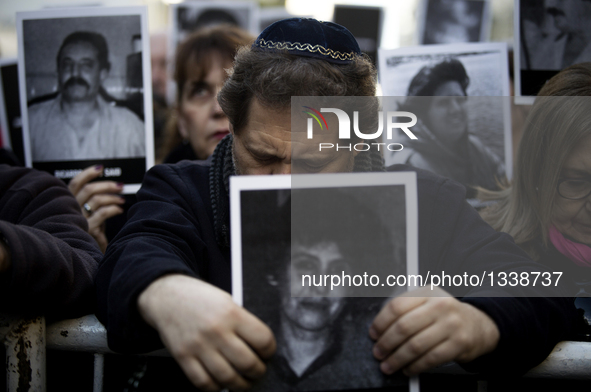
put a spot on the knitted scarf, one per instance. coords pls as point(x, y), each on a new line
point(579, 253)
point(222, 167)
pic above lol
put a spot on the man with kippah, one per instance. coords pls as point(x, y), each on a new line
point(165, 279)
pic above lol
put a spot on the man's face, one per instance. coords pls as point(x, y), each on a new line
point(80, 74)
point(570, 16)
point(313, 312)
point(447, 117)
point(267, 145)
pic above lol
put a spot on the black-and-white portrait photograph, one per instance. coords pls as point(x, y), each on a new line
point(365, 23)
point(85, 91)
point(193, 15)
point(10, 113)
point(453, 21)
point(459, 95)
point(290, 239)
point(549, 36)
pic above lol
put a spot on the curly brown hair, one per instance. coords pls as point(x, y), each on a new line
point(274, 77)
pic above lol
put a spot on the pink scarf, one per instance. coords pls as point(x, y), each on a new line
point(580, 254)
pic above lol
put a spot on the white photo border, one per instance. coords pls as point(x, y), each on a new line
point(142, 12)
point(333, 180)
point(501, 47)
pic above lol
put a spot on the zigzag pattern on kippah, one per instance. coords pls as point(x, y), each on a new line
point(262, 43)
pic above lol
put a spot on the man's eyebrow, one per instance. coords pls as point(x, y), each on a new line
point(260, 153)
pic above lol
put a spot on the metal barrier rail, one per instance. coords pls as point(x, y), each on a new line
point(27, 340)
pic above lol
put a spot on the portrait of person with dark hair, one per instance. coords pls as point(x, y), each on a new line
point(320, 331)
point(79, 123)
point(444, 143)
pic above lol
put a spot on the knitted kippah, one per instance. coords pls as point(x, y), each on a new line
point(310, 38)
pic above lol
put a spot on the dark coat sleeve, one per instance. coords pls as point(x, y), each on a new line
point(53, 258)
point(168, 231)
point(454, 239)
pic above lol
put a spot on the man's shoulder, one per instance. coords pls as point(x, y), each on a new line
point(185, 176)
point(38, 108)
point(122, 113)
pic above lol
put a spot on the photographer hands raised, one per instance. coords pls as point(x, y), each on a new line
point(415, 333)
point(217, 343)
point(98, 200)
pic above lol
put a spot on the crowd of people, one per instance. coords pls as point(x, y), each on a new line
point(164, 280)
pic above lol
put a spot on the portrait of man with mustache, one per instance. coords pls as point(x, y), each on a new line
point(79, 123)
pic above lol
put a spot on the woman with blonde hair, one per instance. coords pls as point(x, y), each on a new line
point(198, 123)
point(547, 208)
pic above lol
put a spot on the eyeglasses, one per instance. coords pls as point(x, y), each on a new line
point(574, 189)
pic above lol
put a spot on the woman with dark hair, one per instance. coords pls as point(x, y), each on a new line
point(444, 144)
point(198, 123)
point(547, 208)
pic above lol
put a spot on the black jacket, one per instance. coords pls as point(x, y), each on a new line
point(53, 258)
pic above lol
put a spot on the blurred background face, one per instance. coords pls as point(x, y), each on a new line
point(447, 117)
point(313, 313)
point(573, 217)
point(201, 120)
point(80, 75)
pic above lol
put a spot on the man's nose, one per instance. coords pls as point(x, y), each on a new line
point(76, 70)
